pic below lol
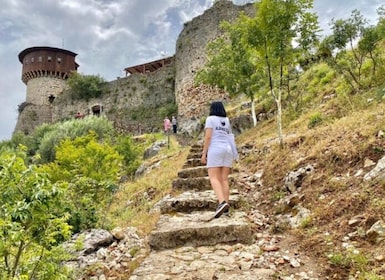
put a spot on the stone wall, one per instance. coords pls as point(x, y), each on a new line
point(38, 89)
point(32, 116)
point(132, 102)
point(193, 102)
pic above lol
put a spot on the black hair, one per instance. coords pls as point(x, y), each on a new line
point(217, 109)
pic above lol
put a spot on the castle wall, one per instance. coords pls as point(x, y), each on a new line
point(40, 88)
point(32, 116)
point(132, 102)
point(193, 102)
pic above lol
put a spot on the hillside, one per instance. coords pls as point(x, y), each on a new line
point(308, 198)
point(342, 205)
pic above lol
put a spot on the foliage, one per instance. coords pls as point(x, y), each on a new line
point(315, 119)
point(92, 171)
point(170, 109)
point(31, 227)
point(85, 86)
point(353, 51)
point(130, 152)
point(48, 138)
point(231, 65)
point(258, 53)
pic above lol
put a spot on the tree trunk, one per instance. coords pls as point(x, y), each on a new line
point(253, 113)
point(279, 117)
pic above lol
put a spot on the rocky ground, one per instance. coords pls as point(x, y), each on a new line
point(187, 243)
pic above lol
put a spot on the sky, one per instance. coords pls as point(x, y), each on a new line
point(109, 35)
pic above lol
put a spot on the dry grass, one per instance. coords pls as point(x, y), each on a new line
point(135, 199)
point(334, 193)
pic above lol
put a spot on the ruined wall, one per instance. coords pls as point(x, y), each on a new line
point(132, 102)
point(193, 102)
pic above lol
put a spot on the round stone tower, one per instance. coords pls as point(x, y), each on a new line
point(45, 70)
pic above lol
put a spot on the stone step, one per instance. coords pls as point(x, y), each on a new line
point(189, 184)
point(193, 155)
point(200, 229)
point(192, 163)
point(188, 202)
point(196, 147)
point(191, 172)
point(224, 262)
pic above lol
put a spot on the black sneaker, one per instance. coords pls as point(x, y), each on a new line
point(227, 212)
point(222, 207)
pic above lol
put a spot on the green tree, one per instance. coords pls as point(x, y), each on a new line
point(92, 169)
point(261, 52)
point(32, 225)
point(282, 32)
point(85, 86)
point(352, 44)
point(231, 65)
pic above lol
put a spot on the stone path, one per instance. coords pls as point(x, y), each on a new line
point(188, 243)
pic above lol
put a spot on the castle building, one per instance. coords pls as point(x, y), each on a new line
point(136, 100)
point(44, 71)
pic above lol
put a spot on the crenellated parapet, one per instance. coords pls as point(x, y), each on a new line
point(47, 62)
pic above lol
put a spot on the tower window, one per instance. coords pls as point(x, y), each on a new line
point(40, 59)
point(49, 59)
point(32, 59)
point(59, 60)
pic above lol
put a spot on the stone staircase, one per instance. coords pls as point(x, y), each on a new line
point(187, 236)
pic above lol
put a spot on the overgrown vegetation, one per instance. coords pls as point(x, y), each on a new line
point(56, 182)
point(85, 86)
point(32, 226)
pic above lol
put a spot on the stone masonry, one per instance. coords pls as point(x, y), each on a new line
point(193, 101)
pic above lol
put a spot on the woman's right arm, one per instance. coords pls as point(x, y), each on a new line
point(206, 144)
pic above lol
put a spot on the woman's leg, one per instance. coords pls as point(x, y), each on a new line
point(224, 181)
point(215, 175)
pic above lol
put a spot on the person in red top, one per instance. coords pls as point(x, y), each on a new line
point(167, 124)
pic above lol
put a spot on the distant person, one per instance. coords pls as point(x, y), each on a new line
point(174, 124)
point(217, 155)
point(79, 115)
point(167, 124)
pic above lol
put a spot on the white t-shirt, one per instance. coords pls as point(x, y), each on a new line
point(219, 152)
point(221, 128)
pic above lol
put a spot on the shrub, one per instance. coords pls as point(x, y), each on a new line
point(71, 129)
point(92, 171)
point(32, 225)
point(315, 119)
point(130, 152)
point(85, 86)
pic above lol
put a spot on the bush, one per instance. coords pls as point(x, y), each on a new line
point(71, 129)
point(315, 120)
point(85, 86)
point(130, 152)
point(92, 171)
point(32, 223)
